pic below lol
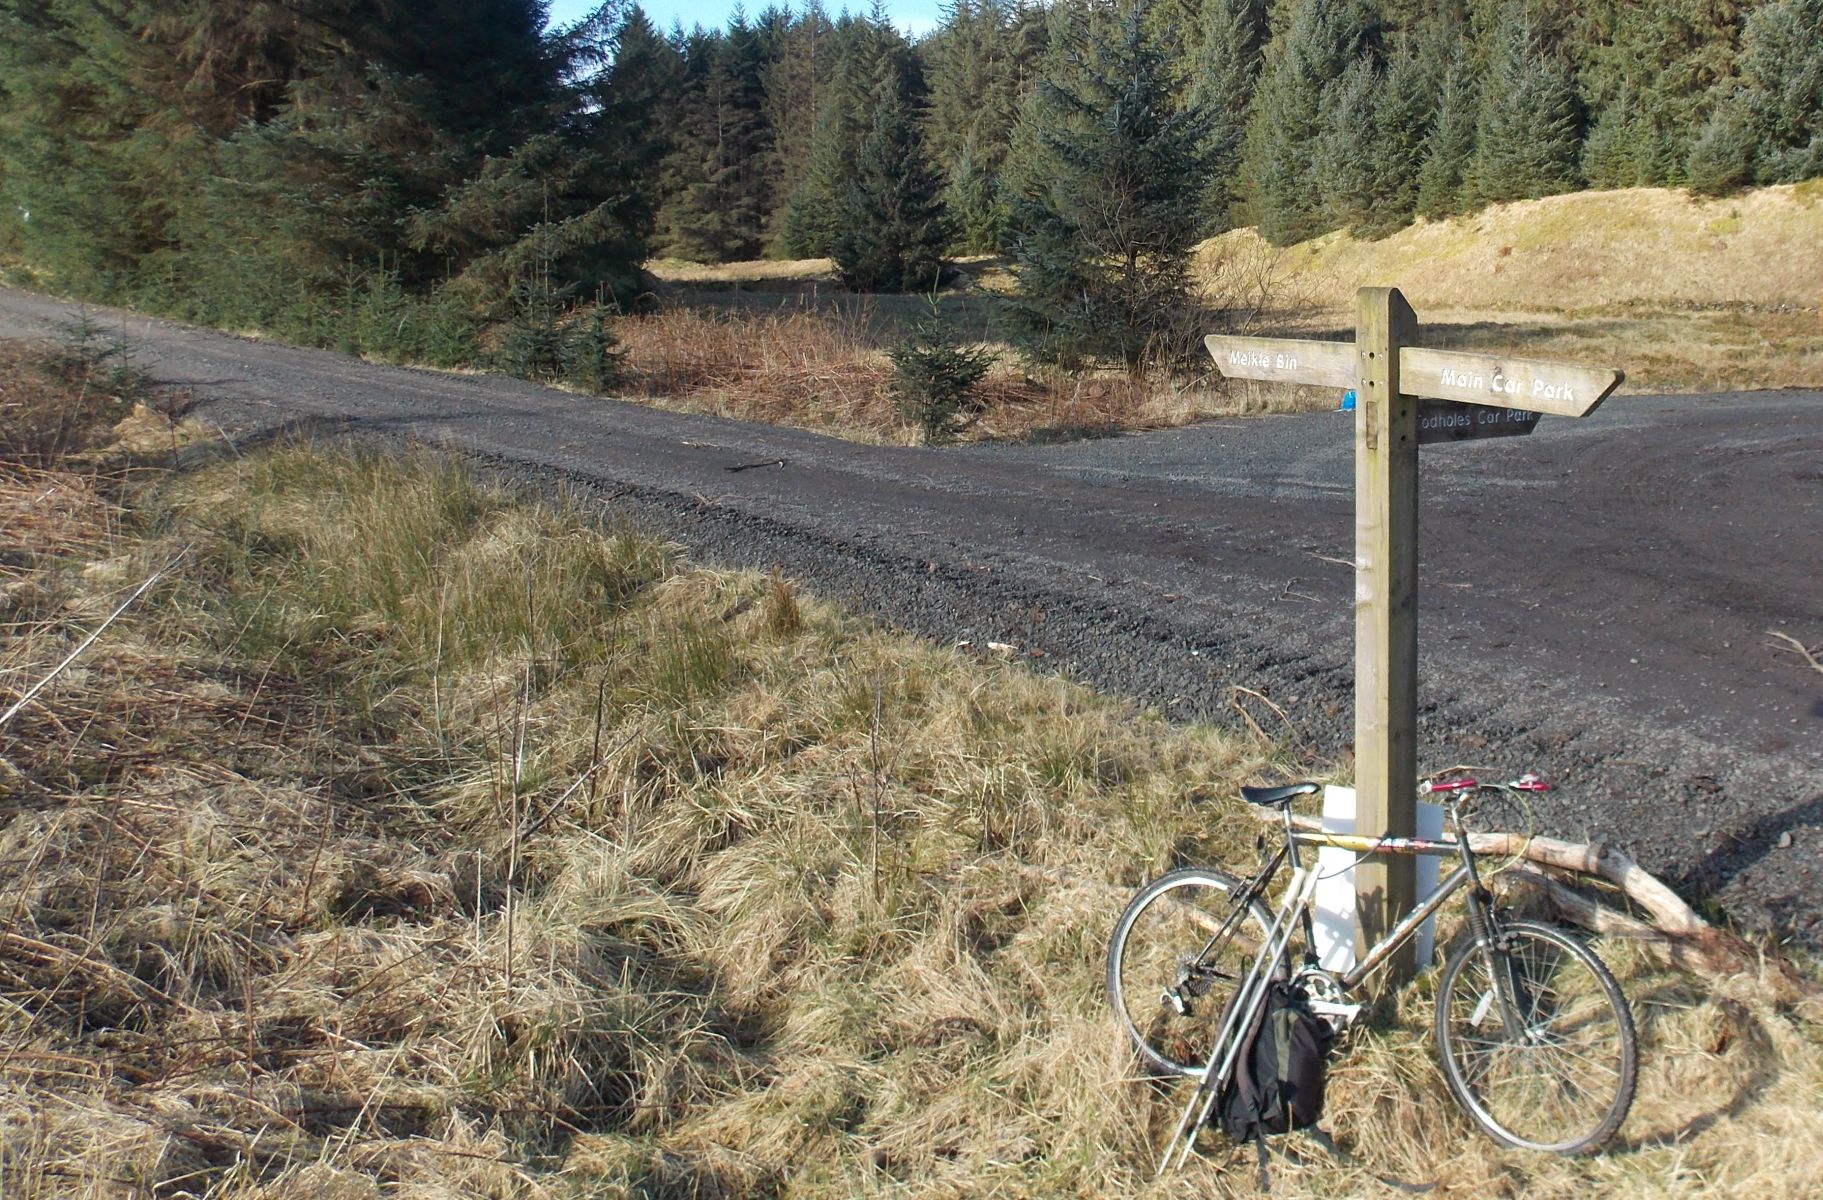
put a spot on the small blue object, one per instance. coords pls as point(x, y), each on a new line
point(1348, 401)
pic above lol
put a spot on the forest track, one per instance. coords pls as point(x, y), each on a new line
point(1598, 599)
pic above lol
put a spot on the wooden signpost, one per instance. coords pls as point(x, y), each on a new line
point(1405, 395)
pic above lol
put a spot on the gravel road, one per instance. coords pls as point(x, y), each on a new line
point(1598, 599)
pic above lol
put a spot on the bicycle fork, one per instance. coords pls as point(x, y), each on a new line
point(1240, 1016)
point(1484, 926)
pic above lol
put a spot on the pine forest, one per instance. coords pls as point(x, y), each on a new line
point(448, 179)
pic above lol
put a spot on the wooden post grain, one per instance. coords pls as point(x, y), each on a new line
point(1386, 613)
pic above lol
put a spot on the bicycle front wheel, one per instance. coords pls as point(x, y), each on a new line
point(1536, 1039)
point(1177, 954)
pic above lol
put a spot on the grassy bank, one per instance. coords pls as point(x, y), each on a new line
point(408, 840)
point(1682, 292)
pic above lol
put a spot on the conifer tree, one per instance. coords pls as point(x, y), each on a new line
point(974, 76)
point(796, 78)
point(893, 227)
point(1303, 61)
point(1450, 147)
point(254, 163)
point(1528, 134)
point(1648, 74)
point(1376, 120)
point(744, 139)
point(1344, 168)
point(1780, 98)
point(716, 201)
point(1618, 152)
point(686, 227)
point(973, 82)
point(972, 198)
point(1106, 188)
point(633, 96)
point(1723, 157)
point(86, 83)
point(1224, 70)
point(1404, 117)
point(864, 48)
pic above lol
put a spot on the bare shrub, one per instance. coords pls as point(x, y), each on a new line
point(798, 367)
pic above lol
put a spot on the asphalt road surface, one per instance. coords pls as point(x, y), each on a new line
point(1598, 600)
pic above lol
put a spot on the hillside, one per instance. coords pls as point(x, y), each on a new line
point(1581, 251)
point(1683, 293)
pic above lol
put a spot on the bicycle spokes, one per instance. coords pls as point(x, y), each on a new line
point(1536, 1040)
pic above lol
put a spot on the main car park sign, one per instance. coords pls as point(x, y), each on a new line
point(1406, 395)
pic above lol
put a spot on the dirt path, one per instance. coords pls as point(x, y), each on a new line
point(1596, 597)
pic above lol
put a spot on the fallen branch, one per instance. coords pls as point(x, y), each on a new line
point(1671, 928)
point(1235, 700)
point(1809, 655)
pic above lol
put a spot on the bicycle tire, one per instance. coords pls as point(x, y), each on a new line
point(1566, 1083)
point(1163, 940)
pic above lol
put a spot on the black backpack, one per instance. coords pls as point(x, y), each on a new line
point(1277, 1082)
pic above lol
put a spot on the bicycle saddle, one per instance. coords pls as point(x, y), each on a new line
point(1267, 797)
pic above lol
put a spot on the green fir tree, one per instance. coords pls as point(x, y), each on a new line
point(1106, 190)
point(1449, 150)
point(893, 226)
point(1290, 120)
point(1780, 98)
point(1528, 134)
point(1224, 70)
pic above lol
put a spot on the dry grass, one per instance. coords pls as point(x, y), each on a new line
point(799, 368)
point(780, 343)
point(409, 841)
point(93, 387)
point(787, 274)
point(822, 369)
point(1683, 293)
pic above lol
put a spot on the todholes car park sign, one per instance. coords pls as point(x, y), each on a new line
point(1406, 395)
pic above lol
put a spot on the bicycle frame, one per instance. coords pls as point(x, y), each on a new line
point(1293, 909)
point(1425, 909)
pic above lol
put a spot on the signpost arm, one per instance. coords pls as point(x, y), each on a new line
point(1386, 613)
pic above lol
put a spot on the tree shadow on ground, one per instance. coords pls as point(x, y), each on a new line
point(1742, 1034)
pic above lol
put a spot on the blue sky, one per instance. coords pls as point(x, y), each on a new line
point(910, 16)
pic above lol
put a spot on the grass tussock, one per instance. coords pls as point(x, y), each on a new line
point(410, 841)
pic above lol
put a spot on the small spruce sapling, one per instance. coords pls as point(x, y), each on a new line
point(591, 353)
point(934, 378)
point(531, 346)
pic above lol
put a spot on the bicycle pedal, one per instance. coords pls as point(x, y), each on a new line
point(1340, 1016)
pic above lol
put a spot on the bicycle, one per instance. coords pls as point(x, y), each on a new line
point(1535, 1036)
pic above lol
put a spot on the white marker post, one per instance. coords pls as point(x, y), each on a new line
point(1405, 395)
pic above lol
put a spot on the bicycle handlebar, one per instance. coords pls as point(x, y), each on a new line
point(1529, 782)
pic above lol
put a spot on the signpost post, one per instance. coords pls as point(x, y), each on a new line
point(1406, 395)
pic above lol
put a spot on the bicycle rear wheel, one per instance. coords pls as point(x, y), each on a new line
point(1178, 951)
point(1557, 1074)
